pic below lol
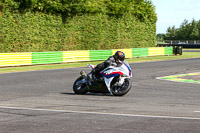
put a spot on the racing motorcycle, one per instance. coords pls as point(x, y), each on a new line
point(113, 80)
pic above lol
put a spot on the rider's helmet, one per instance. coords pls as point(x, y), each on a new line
point(119, 55)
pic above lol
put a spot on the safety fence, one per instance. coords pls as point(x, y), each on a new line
point(35, 58)
point(193, 46)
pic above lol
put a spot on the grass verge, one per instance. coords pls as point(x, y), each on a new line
point(83, 64)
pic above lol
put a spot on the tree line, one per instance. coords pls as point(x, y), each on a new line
point(186, 31)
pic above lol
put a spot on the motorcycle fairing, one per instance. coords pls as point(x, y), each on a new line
point(91, 66)
point(128, 67)
point(110, 72)
point(108, 81)
point(113, 74)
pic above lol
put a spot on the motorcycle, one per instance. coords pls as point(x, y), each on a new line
point(113, 80)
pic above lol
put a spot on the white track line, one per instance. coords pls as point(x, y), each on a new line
point(197, 111)
point(101, 113)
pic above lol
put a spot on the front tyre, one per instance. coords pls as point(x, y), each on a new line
point(80, 86)
point(123, 89)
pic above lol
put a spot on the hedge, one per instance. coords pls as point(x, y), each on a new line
point(38, 32)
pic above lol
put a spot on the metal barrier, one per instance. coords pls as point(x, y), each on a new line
point(35, 58)
point(182, 45)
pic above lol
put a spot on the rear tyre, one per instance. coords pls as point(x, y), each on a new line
point(79, 86)
point(123, 89)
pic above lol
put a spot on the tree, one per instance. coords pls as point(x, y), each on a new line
point(195, 33)
point(187, 31)
point(171, 33)
point(183, 31)
point(160, 37)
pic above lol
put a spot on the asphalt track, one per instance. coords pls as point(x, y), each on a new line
point(43, 102)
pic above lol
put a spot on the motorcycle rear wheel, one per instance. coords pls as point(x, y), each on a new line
point(79, 87)
point(123, 89)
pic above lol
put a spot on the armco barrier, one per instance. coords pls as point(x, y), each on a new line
point(139, 52)
point(99, 54)
point(128, 52)
point(168, 50)
point(155, 51)
point(74, 56)
point(15, 59)
point(47, 57)
point(35, 58)
point(182, 45)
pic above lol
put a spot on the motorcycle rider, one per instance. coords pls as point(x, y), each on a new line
point(114, 60)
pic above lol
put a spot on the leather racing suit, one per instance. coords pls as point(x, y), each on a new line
point(111, 61)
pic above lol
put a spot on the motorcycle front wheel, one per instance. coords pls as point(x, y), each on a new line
point(123, 89)
point(80, 86)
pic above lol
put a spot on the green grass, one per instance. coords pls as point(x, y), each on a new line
point(191, 49)
point(159, 58)
point(84, 64)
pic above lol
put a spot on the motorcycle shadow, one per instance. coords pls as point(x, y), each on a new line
point(88, 94)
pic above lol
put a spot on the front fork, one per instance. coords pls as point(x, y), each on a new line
point(84, 75)
point(120, 81)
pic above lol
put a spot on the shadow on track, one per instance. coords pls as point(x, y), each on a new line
point(88, 94)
